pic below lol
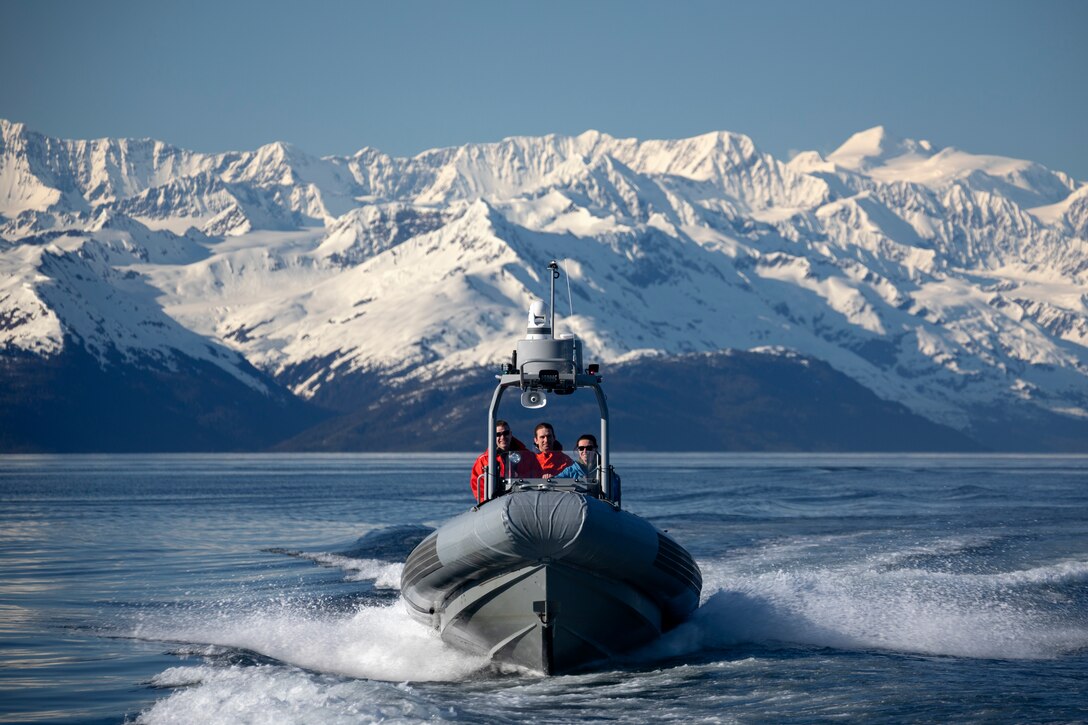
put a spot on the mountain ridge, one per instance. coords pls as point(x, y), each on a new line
point(954, 294)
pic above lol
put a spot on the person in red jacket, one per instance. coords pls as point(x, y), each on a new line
point(551, 458)
point(505, 442)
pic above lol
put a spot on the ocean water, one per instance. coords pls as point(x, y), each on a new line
point(263, 589)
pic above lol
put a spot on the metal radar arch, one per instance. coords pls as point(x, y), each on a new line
point(545, 364)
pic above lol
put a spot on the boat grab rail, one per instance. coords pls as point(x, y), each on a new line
point(572, 485)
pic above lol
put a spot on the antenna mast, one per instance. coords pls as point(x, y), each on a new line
point(554, 267)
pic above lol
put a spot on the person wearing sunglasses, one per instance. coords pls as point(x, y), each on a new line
point(551, 457)
point(505, 442)
point(586, 465)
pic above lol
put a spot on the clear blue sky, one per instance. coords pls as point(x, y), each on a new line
point(994, 76)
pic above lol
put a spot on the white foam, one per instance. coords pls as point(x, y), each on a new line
point(902, 610)
point(384, 574)
point(377, 642)
point(271, 694)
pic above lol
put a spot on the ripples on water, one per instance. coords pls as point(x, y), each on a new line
point(263, 589)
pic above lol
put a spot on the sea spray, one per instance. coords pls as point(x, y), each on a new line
point(375, 642)
point(1021, 614)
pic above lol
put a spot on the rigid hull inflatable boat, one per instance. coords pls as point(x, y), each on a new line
point(550, 575)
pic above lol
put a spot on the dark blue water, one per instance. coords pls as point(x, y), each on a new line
point(238, 589)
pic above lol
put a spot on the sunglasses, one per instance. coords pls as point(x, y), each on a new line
point(587, 448)
point(501, 433)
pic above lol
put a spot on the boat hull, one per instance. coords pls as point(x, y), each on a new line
point(550, 581)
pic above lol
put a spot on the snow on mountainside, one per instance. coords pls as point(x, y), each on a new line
point(948, 282)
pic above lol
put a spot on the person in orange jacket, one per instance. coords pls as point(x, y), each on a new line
point(505, 443)
point(551, 458)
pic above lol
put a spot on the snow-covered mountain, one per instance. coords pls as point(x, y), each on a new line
point(951, 283)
